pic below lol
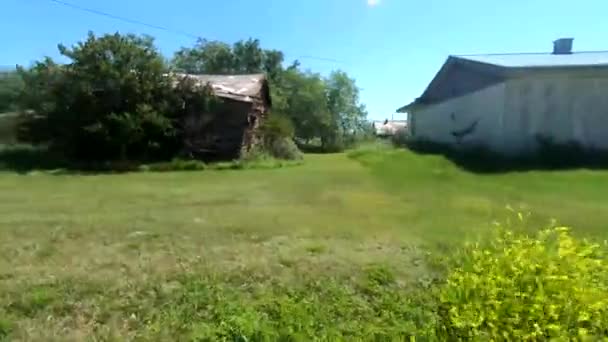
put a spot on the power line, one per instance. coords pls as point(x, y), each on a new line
point(323, 59)
point(127, 20)
point(158, 27)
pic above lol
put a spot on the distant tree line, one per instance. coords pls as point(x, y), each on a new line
point(325, 109)
point(112, 100)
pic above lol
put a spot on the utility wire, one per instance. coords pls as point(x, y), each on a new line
point(158, 27)
point(127, 20)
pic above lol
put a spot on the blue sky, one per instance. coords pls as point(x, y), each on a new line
point(392, 47)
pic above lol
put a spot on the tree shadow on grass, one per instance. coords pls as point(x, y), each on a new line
point(23, 159)
point(549, 156)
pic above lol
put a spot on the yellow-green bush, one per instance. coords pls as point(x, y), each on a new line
point(550, 286)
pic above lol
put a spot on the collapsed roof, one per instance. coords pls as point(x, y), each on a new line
point(243, 88)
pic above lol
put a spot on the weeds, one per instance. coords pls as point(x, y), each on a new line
point(203, 308)
point(547, 154)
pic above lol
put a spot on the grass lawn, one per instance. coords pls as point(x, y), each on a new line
point(326, 249)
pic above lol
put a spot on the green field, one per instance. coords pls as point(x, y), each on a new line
point(230, 254)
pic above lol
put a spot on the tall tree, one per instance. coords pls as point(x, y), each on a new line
point(324, 108)
point(344, 107)
point(273, 63)
point(304, 103)
point(10, 86)
point(248, 56)
point(110, 101)
point(206, 57)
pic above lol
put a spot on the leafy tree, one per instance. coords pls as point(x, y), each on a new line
point(248, 56)
point(206, 57)
point(214, 57)
point(303, 101)
point(10, 86)
point(112, 100)
point(346, 113)
point(326, 109)
point(273, 63)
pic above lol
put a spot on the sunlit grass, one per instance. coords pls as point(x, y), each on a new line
point(119, 255)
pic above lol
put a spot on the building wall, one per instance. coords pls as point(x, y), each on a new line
point(563, 105)
point(477, 117)
point(566, 106)
point(220, 134)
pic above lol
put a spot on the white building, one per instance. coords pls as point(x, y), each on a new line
point(386, 128)
point(507, 101)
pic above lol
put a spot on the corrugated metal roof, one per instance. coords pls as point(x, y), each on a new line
point(239, 87)
point(542, 60)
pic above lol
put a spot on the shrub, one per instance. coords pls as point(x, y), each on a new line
point(400, 138)
point(113, 100)
point(277, 142)
point(175, 165)
point(277, 126)
point(284, 148)
point(10, 86)
point(23, 158)
point(551, 286)
point(333, 144)
point(568, 154)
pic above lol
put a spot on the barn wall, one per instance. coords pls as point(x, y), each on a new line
point(480, 112)
point(567, 106)
point(218, 135)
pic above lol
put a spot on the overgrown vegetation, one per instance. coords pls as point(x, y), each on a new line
point(10, 87)
point(547, 155)
point(8, 128)
point(113, 100)
point(326, 109)
point(278, 139)
point(551, 286)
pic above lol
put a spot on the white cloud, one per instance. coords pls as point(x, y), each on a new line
point(372, 3)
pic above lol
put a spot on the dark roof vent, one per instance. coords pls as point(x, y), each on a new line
point(562, 46)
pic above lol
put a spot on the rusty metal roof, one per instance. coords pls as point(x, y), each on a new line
point(243, 88)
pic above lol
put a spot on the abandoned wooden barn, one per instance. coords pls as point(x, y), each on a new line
point(231, 128)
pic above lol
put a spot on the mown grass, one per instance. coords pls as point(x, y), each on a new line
point(335, 248)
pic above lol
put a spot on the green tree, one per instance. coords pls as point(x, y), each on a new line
point(10, 86)
point(214, 57)
point(304, 103)
point(112, 100)
point(319, 108)
point(346, 113)
point(273, 63)
point(206, 57)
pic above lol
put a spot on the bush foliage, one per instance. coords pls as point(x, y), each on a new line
point(278, 133)
point(10, 87)
point(551, 286)
point(546, 154)
point(112, 101)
